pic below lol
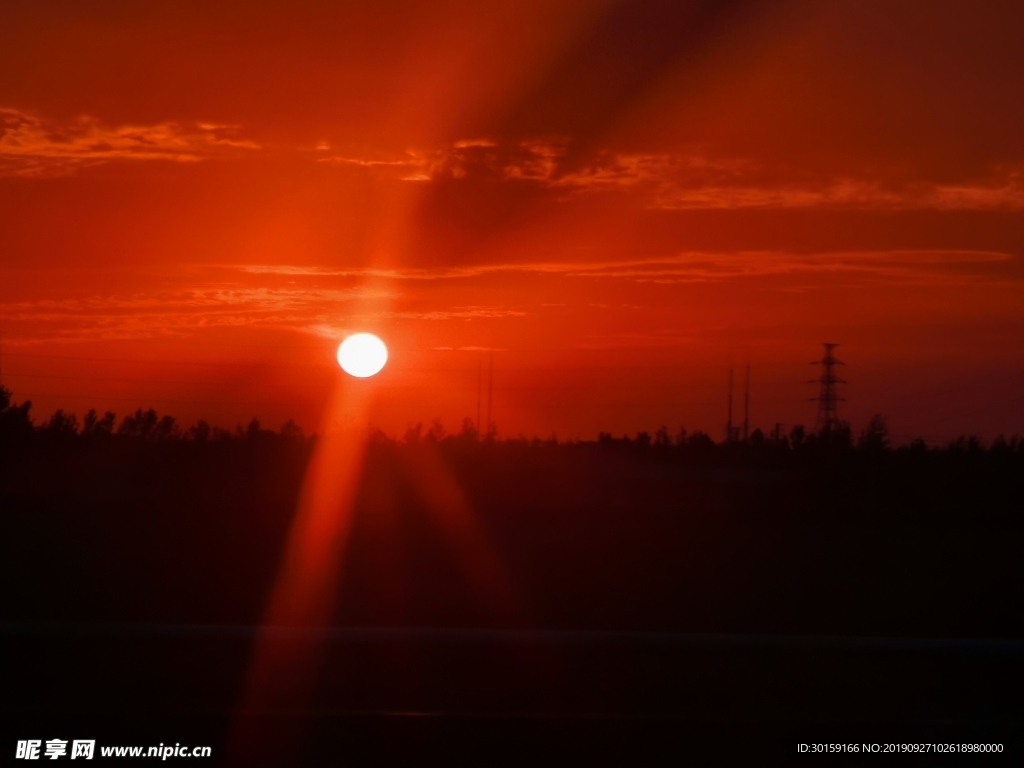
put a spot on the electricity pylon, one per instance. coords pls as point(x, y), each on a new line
point(828, 411)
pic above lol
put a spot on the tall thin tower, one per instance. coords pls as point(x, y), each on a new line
point(490, 397)
point(729, 431)
point(828, 411)
point(479, 389)
point(746, 406)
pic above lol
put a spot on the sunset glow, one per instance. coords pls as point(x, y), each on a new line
point(387, 382)
point(614, 201)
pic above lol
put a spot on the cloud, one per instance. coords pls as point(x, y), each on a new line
point(918, 268)
point(533, 160)
point(456, 313)
point(696, 267)
point(321, 311)
point(469, 349)
point(409, 162)
point(33, 146)
point(849, 194)
point(411, 273)
point(694, 178)
point(321, 304)
point(178, 312)
point(693, 168)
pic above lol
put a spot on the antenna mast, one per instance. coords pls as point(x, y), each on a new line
point(728, 425)
point(490, 396)
point(746, 406)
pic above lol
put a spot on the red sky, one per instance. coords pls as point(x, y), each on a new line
point(615, 200)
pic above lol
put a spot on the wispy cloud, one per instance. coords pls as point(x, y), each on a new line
point(320, 311)
point(1003, 194)
point(694, 178)
point(409, 162)
point(695, 267)
point(329, 302)
point(33, 146)
point(533, 160)
point(692, 168)
point(457, 313)
point(175, 312)
point(918, 268)
point(469, 349)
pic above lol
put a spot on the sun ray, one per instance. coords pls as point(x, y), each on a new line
point(284, 664)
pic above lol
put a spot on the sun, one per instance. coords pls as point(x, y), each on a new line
point(362, 355)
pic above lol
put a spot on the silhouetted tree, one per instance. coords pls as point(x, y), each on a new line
point(701, 442)
point(16, 429)
point(253, 430)
point(436, 432)
point(166, 429)
point(797, 436)
point(413, 434)
point(469, 431)
point(292, 431)
point(61, 425)
point(105, 426)
point(918, 445)
point(875, 436)
point(965, 443)
point(832, 436)
point(1004, 445)
point(200, 431)
point(139, 424)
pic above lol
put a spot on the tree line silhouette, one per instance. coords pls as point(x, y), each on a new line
point(17, 427)
point(16, 422)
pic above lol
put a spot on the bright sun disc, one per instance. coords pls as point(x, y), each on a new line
point(362, 355)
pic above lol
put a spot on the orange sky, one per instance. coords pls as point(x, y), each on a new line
point(618, 199)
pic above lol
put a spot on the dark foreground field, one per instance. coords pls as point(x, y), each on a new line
point(506, 595)
point(514, 535)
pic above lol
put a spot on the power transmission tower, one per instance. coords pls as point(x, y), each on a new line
point(828, 411)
